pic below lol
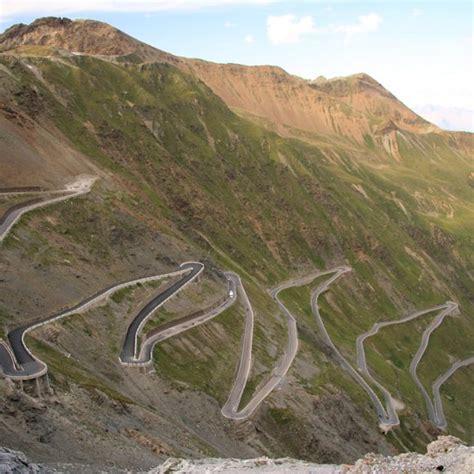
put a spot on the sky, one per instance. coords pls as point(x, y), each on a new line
point(422, 51)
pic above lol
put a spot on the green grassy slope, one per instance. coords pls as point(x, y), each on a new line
point(267, 207)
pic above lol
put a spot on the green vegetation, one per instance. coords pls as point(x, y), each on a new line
point(4, 318)
point(121, 295)
point(457, 403)
point(188, 168)
point(281, 416)
point(71, 370)
point(209, 368)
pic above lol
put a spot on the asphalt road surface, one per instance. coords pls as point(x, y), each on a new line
point(129, 352)
point(24, 365)
point(17, 361)
point(81, 185)
point(441, 422)
point(231, 407)
point(386, 419)
point(362, 364)
point(178, 326)
point(448, 308)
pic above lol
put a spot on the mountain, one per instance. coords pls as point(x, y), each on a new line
point(81, 36)
point(246, 169)
point(352, 107)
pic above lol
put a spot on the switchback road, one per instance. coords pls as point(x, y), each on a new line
point(17, 361)
point(441, 422)
point(231, 407)
point(362, 364)
point(386, 419)
point(129, 352)
point(177, 326)
point(82, 185)
point(131, 355)
point(448, 308)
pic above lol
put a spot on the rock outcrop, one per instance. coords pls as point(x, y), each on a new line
point(16, 462)
point(446, 454)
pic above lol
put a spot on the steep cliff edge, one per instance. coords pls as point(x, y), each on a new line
point(447, 454)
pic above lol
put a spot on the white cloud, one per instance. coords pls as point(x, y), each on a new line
point(365, 24)
point(288, 28)
point(416, 12)
point(229, 24)
point(249, 39)
point(10, 8)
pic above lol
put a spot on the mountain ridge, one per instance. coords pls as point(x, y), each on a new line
point(352, 106)
point(81, 36)
point(183, 177)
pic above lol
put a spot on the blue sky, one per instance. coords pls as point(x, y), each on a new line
point(421, 51)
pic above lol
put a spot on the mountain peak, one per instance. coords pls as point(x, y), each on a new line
point(348, 85)
point(82, 36)
point(357, 104)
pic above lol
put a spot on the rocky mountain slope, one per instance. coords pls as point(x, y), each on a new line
point(352, 107)
point(82, 36)
point(355, 107)
point(447, 454)
point(182, 177)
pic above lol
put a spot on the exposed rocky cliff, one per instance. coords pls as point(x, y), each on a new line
point(447, 454)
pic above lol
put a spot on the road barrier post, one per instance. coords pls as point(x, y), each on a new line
point(48, 385)
point(38, 387)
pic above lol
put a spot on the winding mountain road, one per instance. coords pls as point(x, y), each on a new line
point(361, 358)
point(18, 362)
point(32, 190)
point(82, 185)
point(231, 407)
point(387, 418)
point(180, 325)
point(449, 307)
point(131, 355)
point(441, 422)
